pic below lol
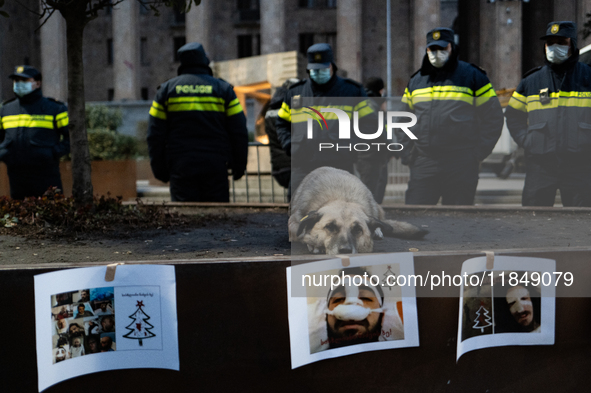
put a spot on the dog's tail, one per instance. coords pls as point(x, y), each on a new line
point(404, 230)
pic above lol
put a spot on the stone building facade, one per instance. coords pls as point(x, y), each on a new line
point(128, 51)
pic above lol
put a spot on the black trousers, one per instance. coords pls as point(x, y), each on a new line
point(453, 179)
point(210, 186)
point(33, 181)
point(544, 175)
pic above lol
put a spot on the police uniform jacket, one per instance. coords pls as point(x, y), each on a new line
point(33, 131)
point(457, 111)
point(292, 112)
point(195, 120)
point(550, 112)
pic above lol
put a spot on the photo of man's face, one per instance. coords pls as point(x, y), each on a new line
point(520, 305)
point(350, 319)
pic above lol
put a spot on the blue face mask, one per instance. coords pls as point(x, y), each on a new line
point(22, 88)
point(320, 76)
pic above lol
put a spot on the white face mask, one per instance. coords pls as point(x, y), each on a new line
point(557, 54)
point(22, 88)
point(352, 309)
point(438, 58)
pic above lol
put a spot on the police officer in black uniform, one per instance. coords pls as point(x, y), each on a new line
point(33, 136)
point(323, 82)
point(459, 120)
point(549, 115)
point(197, 130)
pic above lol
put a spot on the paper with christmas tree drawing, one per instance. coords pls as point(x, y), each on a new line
point(511, 304)
point(129, 322)
point(139, 328)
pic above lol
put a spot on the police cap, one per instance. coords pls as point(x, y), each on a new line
point(565, 29)
point(440, 36)
point(25, 71)
point(319, 56)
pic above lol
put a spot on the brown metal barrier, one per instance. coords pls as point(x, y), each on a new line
point(233, 337)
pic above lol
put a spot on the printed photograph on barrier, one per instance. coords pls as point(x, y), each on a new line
point(129, 322)
point(503, 305)
point(361, 307)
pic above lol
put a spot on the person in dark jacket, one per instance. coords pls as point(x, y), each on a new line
point(459, 120)
point(197, 130)
point(280, 161)
point(323, 82)
point(549, 115)
point(33, 136)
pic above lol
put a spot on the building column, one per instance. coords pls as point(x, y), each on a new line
point(272, 26)
point(54, 62)
point(199, 27)
point(425, 16)
point(349, 35)
point(500, 45)
point(126, 45)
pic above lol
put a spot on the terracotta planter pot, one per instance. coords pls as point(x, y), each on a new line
point(115, 177)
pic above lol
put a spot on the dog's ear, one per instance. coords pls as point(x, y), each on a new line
point(308, 221)
point(374, 223)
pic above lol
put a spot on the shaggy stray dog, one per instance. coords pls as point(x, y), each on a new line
point(333, 212)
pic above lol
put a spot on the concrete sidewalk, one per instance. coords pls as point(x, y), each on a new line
point(491, 191)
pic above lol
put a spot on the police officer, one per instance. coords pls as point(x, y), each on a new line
point(33, 136)
point(459, 120)
point(549, 115)
point(323, 82)
point(197, 130)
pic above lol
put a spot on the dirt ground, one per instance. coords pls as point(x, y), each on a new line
point(253, 232)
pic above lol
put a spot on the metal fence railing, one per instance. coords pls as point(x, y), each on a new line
point(257, 184)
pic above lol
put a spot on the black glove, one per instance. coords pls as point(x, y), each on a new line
point(237, 174)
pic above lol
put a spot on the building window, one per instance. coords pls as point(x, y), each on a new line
point(110, 51)
point(306, 41)
point(109, 9)
point(244, 45)
point(317, 3)
point(257, 45)
point(110, 94)
point(144, 51)
point(145, 94)
point(178, 42)
point(179, 15)
point(249, 10)
point(144, 8)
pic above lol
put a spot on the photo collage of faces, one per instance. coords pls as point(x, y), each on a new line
point(83, 323)
point(510, 303)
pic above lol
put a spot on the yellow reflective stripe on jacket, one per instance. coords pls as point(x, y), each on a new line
point(440, 93)
point(284, 112)
point(62, 119)
point(572, 99)
point(157, 111)
point(363, 109)
point(518, 102)
point(407, 99)
point(483, 96)
point(28, 121)
point(177, 100)
point(196, 106)
point(483, 89)
point(234, 107)
point(303, 114)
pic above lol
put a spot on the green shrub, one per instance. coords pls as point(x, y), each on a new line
point(109, 145)
point(101, 116)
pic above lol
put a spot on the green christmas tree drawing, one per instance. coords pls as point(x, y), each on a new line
point(139, 329)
